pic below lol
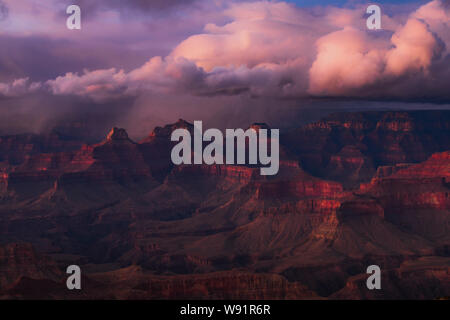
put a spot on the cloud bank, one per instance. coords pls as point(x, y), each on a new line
point(277, 50)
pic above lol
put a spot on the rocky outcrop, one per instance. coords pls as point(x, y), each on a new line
point(349, 147)
point(115, 161)
point(18, 260)
point(310, 229)
point(415, 196)
point(233, 285)
point(15, 149)
point(424, 278)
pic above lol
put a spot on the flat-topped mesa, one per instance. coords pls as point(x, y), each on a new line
point(15, 149)
point(294, 183)
point(435, 167)
point(117, 134)
point(355, 121)
point(399, 121)
point(414, 196)
point(390, 121)
point(422, 186)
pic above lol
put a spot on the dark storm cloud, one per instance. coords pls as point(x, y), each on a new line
point(42, 58)
point(149, 4)
point(40, 113)
point(4, 11)
point(133, 6)
point(41, 48)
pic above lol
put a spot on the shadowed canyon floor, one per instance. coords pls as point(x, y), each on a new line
point(354, 189)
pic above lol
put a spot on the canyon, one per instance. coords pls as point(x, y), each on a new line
point(352, 190)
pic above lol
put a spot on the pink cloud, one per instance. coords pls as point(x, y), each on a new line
point(18, 87)
point(350, 60)
point(276, 49)
point(415, 48)
point(345, 61)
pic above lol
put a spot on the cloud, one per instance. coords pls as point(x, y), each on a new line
point(277, 50)
point(18, 87)
point(264, 50)
point(415, 47)
point(98, 84)
point(349, 61)
point(35, 43)
point(344, 62)
point(4, 11)
point(168, 75)
point(134, 5)
point(227, 62)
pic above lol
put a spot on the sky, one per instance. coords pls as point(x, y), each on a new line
point(341, 3)
point(142, 63)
